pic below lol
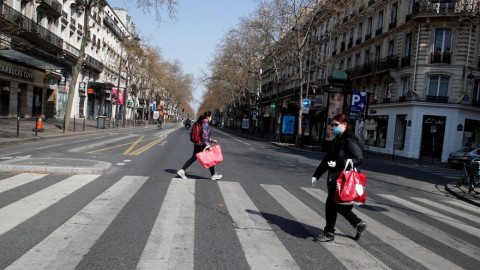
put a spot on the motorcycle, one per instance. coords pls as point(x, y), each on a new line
point(187, 125)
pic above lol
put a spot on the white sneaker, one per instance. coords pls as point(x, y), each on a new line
point(181, 173)
point(216, 177)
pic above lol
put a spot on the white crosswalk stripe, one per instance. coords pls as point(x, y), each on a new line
point(18, 180)
point(262, 247)
point(346, 251)
point(396, 240)
point(17, 212)
point(66, 246)
point(171, 239)
point(176, 220)
point(436, 215)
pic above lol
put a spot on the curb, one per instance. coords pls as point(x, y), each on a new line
point(98, 168)
point(464, 198)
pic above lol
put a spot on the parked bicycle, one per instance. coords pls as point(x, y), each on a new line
point(470, 175)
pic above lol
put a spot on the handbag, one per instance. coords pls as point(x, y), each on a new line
point(352, 186)
point(210, 157)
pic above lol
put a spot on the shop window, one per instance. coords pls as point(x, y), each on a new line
point(375, 130)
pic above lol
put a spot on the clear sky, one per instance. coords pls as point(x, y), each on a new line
point(192, 39)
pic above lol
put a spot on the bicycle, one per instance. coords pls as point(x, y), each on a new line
point(470, 175)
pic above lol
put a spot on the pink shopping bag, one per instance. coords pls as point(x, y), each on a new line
point(210, 157)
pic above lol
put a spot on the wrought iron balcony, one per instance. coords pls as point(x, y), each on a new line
point(408, 17)
point(64, 17)
point(441, 57)
point(93, 63)
point(113, 26)
point(371, 2)
point(71, 50)
point(428, 7)
point(53, 6)
point(29, 29)
point(379, 31)
point(405, 61)
point(334, 53)
point(368, 36)
point(382, 64)
point(358, 41)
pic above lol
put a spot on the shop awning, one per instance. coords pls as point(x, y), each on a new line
point(27, 60)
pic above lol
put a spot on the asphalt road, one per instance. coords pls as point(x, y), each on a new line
point(263, 214)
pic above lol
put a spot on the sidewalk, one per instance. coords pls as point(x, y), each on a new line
point(460, 192)
point(14, 132)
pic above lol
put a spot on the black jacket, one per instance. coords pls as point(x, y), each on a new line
point(339, 150)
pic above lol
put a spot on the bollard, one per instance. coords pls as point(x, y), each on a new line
point(74, 124)
point(84, 123)
point(36, 123)
point(18, 125)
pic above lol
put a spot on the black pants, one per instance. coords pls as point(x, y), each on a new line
point(331, 210)
point(196, 149)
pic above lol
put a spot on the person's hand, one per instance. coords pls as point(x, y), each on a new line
point(215, 141)
point(314, 181)
point(339, 187)
point(206, 147)
point(332, 164)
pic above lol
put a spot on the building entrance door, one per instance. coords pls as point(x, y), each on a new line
point(400, 129)
point(433, 132)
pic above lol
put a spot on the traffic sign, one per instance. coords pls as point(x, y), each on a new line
point(358, 101)
point(306, 103)
point(255, 112)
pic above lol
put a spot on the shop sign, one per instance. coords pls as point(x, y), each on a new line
point(288, 124)
point(17, 72)
point(50, 81)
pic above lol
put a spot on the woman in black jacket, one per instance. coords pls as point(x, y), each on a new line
point(344, 146)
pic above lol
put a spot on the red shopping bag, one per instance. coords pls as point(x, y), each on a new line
point(352, 186)
point(210, 157)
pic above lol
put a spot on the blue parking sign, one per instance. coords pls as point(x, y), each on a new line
point(359, 101)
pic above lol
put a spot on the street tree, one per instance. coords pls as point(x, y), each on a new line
point(86, 7)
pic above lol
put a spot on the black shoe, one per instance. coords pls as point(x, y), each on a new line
point(325, 237)
point(361, 227)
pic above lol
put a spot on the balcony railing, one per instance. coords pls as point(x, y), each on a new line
point(405, 61)
point(334, 53)
point(368, 36)
point(64, 17)
point(32, 31)
point(111, 24)
point(441, 57)
point(52, 5)
point(428, 7)
point(358, 41)
point(379, 31)
point(70, 49)
point(439, 99)
point(408, 17)
point(94, 63)
point(371, 2)
point(382, 64)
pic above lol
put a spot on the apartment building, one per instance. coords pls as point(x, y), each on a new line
point(417, 62)
point(39, 45)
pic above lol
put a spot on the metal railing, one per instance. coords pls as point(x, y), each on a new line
point(54, 5)
point(441, 57)
point(27, 24)
point(385, 63)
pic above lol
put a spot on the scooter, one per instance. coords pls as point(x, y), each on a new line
point(187, 125)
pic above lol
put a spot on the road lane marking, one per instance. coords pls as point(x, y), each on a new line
point(45, 147)
point(116, 146)
point(261, 246)
point(93, 145)
point(133, 145)
point(433, 214)
point(347, 251)
point(21, 210)
point(18, 180)
point(175, 220)
point(428, 230)
point(414, 251)
point(10, 154)
point(146, 147)
point(233, 137)
point(448, 209)
point(67, 245)
point(464, 206)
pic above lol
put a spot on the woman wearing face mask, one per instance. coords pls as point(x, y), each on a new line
point(344, 146)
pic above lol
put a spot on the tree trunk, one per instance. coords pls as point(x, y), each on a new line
point(76, 69)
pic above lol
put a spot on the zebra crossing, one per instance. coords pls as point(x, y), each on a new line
point(171, 241)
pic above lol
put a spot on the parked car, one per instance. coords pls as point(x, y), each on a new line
point(463, 155)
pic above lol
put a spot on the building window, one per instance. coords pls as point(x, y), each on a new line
point(358, 59)
point(438, 88)
point(442, 46)
point(393, 14)
point(369, 26)
point(404, 87)
point(476, 94)
point(375, 130)
point(391, 47)
point(380, 20)
point(410, 7)
point(360, 31)
point(378, 52)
